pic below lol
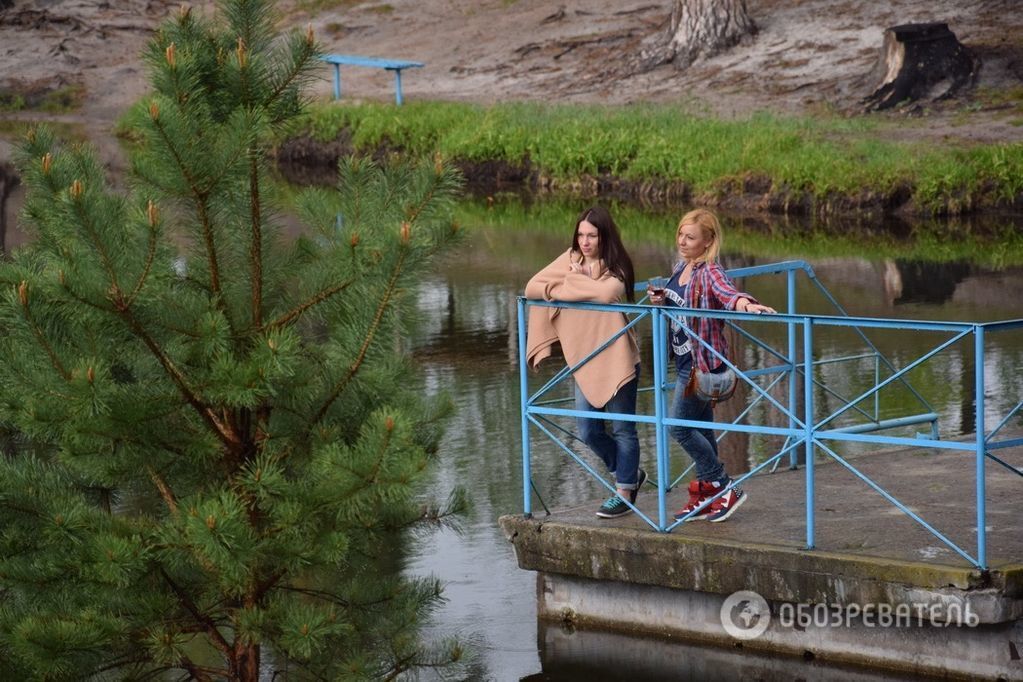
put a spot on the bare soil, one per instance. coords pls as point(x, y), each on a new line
point(809, 56)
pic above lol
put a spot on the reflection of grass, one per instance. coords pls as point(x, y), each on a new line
point(14, 129)
point(58, 101)
point(1000, 247)
point(324, 5)
point(822, 156)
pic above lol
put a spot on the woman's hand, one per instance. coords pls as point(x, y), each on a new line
point(579, 267)
point(656, 296)
point(744, 305)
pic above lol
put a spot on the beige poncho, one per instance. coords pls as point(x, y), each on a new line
point(581, 331)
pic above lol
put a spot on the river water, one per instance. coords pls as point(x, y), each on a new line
point(465, 344)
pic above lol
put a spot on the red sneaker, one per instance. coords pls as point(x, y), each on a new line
point(723, 507)
point(699, 491)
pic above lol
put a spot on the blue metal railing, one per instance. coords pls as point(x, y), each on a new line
point(807, 429)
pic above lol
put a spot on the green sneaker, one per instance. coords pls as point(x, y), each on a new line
point(613, 508)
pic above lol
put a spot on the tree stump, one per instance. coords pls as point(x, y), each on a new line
point(920, 62)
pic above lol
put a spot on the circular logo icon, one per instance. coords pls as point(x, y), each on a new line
point(745, 615)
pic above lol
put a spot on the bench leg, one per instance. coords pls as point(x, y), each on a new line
point(397, 87)
point(337, 81)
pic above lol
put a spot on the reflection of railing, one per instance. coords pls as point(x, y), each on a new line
point(808, 429)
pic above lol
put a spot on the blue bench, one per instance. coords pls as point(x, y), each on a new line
point(353, 60)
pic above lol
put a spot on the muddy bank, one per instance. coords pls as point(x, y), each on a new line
point(303, 160)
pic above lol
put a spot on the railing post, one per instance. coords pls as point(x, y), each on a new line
point(337, 81)
point(397, 87)
point(808, 429)
point(663, 472)
point(981, 442)
point(523, 406)
point(793, 388)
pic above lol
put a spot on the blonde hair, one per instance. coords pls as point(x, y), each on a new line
point(711, 228)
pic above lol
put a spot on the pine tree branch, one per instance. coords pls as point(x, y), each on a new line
point(38, 333)
point(201, 198)
point(225, 434)
point(370, 335)
point(308, 52)
point(209, 627)
point(98, 244)
point(150, 256)
point(165, 492)
point(293, 314)
point(256, 247)
point(320, 594)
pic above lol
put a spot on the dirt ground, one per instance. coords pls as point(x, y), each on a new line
point(809, 56)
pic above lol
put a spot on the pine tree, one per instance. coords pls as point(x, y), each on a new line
point(218, 447)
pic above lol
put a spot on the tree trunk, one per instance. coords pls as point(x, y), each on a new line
point(698, 28)
point(8, 181)
point(920, 61)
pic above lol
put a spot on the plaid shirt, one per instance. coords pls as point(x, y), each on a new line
point(710, 289)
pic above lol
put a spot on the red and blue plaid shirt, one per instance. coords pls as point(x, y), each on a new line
point(709, 289)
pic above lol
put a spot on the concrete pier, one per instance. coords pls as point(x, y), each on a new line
point(877, 590)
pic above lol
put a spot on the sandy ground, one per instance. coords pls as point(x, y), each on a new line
point(808, 56)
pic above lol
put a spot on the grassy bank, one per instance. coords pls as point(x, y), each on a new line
point(816, 165)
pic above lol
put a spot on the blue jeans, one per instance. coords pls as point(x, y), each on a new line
point(698, 443)
point(620, 450)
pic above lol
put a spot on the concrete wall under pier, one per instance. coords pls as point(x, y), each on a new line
point(877, 592)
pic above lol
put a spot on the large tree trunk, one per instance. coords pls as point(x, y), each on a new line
point(698, 28)
point(920, 62)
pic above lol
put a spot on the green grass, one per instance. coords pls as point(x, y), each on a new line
point(821, 156)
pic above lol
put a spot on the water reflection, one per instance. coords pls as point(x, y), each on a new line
point(569, 655)
point(465, 345)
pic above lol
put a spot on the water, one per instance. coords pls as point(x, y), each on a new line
point(466, 345)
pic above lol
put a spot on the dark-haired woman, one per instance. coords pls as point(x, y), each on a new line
point(595, 268)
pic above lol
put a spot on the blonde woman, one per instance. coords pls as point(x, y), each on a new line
point(698, 281)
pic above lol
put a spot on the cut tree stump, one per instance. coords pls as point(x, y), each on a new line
point(921, 62)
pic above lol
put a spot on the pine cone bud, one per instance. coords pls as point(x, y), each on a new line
point(406, 232)
point(309, 39)
point(438, 163)
point(23, 293)
point(90, 375)
point(211, 521)
point(389, 423)
point(59, 519)
point(184, 11)
point(31, 135)
point(61, 278)
point(152, 214)
point(272, 343)
point(304, 629)
point(169, 54)
point(455, 227)
point(154, 110)
point(47, 163)
point(243, 57)
point(76, 189)
point(354, 239)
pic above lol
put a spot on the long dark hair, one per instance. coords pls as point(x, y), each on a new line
point(612, 251)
